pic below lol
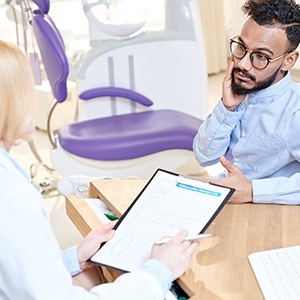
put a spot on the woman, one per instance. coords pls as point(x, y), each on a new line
point(31, 263)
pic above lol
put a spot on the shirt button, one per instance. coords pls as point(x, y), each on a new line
point(250, 106)
point(235, 159)
point(243, 134)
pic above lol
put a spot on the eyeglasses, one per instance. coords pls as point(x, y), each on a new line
point(258, 60)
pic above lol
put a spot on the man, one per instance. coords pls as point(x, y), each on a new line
point(254, 130)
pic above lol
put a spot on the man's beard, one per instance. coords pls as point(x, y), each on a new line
point(239, 90)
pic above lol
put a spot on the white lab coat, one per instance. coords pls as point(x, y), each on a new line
point(31, 264)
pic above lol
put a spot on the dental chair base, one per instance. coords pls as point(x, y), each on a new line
point(181, 161)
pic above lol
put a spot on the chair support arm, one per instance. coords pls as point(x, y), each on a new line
point(115, 92)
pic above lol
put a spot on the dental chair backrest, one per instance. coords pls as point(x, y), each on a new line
point(116, 138)
point(53, 55)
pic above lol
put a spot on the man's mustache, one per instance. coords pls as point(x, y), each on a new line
point(246, 74)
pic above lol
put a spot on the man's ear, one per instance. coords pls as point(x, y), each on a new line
point(290, 61)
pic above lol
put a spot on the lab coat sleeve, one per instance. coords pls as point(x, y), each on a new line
point(213, 137)
point(139, 284)
point(153, 266)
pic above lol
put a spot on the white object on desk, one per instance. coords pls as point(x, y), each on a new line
point(98, 207)
point(278, 272)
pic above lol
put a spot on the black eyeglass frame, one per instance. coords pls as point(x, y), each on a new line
point(268, 60)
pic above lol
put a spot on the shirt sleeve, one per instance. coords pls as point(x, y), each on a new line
point(70, 259)
point(213, 137)
point(280, 190)
point(284, 189)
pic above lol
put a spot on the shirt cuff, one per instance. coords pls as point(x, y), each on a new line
point(224, 115)
point(263, 191)
point(160, 272)
point(70, 259)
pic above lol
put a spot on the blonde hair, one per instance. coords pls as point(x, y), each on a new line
point(17, 94)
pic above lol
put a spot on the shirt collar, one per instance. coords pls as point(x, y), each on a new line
point(267, 95)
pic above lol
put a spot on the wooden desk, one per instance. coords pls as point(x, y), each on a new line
point(220, 268)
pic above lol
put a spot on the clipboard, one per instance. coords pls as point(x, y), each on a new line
point(167, 204)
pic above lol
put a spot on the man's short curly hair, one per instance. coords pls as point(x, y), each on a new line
point(284, 14)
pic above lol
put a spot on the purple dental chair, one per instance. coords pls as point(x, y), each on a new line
point(133, 144)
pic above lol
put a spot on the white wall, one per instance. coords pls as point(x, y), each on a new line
point(214, 32)
point(234, 17)
point(222, 19)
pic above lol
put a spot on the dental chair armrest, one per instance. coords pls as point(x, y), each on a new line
point(115, 92)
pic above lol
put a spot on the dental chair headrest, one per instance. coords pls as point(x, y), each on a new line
point(43, 5)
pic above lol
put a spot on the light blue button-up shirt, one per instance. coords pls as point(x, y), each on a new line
point(262, 138)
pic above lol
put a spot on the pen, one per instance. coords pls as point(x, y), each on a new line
point(188, 238)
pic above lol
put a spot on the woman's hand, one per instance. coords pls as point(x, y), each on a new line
point(91, 243)
point(176, 254)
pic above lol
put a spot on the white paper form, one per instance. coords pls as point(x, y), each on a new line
point(169, 204)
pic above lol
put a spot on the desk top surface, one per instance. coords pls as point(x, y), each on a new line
point(220, 268)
